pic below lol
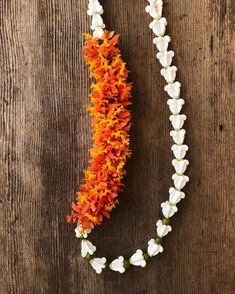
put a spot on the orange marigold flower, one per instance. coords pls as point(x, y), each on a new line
point(111, 124)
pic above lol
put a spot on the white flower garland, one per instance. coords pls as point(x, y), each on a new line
point(175, 103)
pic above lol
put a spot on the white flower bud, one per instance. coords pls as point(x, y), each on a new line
point(98, 264)
point(175, 195)
point(87, 247)
point(162, 43)
point(162, 230)
point(137, 259)
point(80, 233)
point(94, 7)
point(175, 105)
point(155, 8)
point(117, 265)
point(173, 90)
point(97, 21)
point(178, 121)
point(165, 58)
point(168, 209)
point(169, 73)
point(179, 151)
point(180, 181)
point(180, 165)
point(158, 26)
point(178, 136)
point(98, 32)
point(154, 248)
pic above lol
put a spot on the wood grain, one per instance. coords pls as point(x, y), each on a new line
point(45, 136)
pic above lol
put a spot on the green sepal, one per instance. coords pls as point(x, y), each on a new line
point(166, 221)
point(126, 263)
point(158, 240)
point(89, 257)
point(107, 265)
point(146, 256)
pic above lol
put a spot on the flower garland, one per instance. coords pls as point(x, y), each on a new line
point(175, 103)
point(111, 123)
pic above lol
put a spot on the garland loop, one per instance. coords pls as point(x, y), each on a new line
point(111, 123)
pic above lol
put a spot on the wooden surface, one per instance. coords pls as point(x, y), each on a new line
point(45, 136)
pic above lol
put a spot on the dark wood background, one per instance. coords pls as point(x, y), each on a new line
point(45, 136)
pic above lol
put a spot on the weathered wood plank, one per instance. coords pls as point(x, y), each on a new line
point(45, 136)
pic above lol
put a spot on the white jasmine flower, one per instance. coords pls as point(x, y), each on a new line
point(175, 105)
point(154, 248)
point(94, 7)
point(179, 151)
point(79, 233)
point(162, 230)
point(175, 195)
point(158, 26)
point(180, 165)
point(169, 73)
point(155, 8)
point(87, 247)
point(168, 209)
point(178, 136)
point(117, 265)
point(180, 181)
point(173, 90)
point(97, 21)
point(162, 43)
point(137, 259)
point(98, 264)
point(98, 32)
point(177, 121)
point(165, 58)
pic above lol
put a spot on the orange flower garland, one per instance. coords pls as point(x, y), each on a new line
point(111, 124)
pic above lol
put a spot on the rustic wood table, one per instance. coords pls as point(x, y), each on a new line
point(45, 137)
